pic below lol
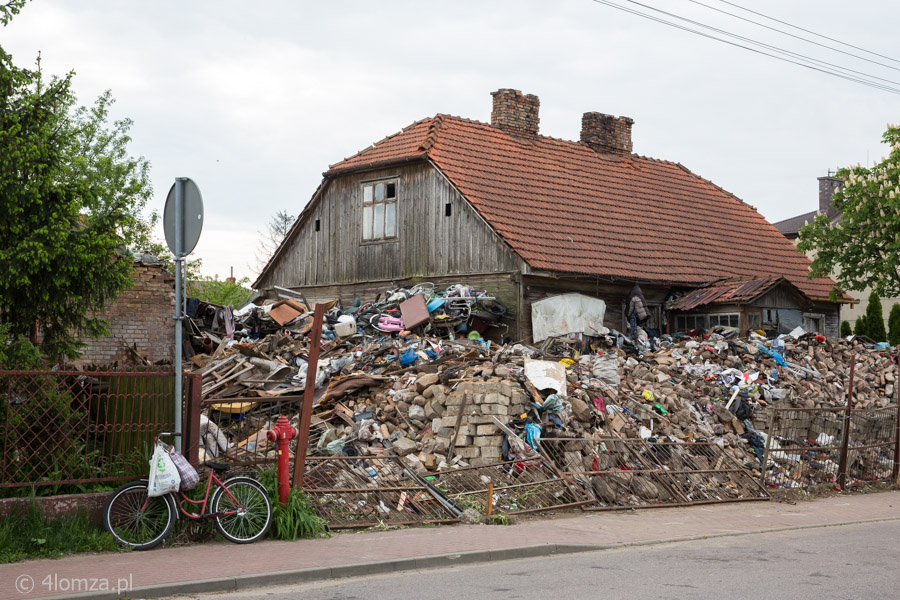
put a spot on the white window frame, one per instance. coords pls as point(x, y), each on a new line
point(706, 320)
point(379, 209)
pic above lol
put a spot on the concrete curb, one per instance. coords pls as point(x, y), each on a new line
point(256, 580)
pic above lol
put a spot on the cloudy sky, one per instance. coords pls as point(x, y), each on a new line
point(255, 100)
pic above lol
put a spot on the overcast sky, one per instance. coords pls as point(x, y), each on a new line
point(255, 100)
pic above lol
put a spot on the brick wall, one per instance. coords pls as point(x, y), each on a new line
point(515, 112)
point(606, 133)
point(140, 317)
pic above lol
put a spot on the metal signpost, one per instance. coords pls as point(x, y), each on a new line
point(182, 222)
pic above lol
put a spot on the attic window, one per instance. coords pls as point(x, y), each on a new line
point(379, 210)
point(318, 225)
point(448, 210)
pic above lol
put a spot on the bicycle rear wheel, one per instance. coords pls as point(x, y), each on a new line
point(249, 510)
point(135, 520)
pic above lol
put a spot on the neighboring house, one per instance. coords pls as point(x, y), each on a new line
point(141, 319)
point(526, 216)
point(790, 229)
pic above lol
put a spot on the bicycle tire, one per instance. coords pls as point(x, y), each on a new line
point(125, 521)
point(248, 525)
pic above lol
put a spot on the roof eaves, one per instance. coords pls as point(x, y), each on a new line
point(290, 234)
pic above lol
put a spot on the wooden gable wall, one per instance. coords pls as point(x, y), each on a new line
point(428, 242)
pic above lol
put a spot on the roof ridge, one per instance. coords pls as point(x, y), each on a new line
point(381, 141)
point(432, 135)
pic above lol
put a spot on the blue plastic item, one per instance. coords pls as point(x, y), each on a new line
point(771, 354)
point(409, 357)
point(435, 304)
point(532, 434)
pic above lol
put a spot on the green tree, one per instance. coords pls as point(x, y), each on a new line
point(215, 291)
point(860, 250)
point(846, 329)
point(859, 328)
point(66, 217)
point(97, 155)
point(894, 325)
point(875, 319)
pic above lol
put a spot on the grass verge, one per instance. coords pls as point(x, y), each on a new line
point(26, 533)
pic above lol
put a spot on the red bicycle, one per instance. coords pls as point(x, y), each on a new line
point(239, 507)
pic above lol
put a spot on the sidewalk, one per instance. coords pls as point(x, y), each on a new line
point(217, 566)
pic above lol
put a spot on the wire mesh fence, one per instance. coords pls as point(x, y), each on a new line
point(805, 447)
point(233, 430)
point(359, 492)
point(69, 428)
point(513, 487)
point(632, 473)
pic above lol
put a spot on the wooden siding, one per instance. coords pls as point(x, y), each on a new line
point(428, 243)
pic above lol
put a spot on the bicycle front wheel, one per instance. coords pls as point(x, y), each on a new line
point(135, 520)
point(243, 510)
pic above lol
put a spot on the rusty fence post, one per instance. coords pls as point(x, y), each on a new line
point(315, 340)
point(765, 456)
point(845, 437)
point(896, 470)
point(191, 424)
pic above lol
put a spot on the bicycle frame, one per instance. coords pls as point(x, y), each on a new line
point(203, 514)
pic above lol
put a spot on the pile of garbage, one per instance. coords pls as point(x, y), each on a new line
point(414, 376)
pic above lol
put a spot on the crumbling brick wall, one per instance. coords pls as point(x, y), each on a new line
point(141, 318)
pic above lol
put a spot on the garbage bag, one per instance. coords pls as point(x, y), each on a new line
point(189, 476)
point(164, 477)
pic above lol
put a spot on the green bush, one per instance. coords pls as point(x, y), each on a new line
point(875, 319)
point(26, 533)
point(860, 327)
point(846, 329)
point(296, 518)
point(894, 325)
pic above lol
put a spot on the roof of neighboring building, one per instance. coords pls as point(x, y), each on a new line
point(736, 291)
point(789, 227)
point(564, 207)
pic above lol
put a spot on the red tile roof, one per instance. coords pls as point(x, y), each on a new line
point(565, 207)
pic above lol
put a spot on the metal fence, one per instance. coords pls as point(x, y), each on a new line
point(243, 422)
point(632, 473)
point(514, 487)
point(368, 491)
point(63, 429)
point(809, 447)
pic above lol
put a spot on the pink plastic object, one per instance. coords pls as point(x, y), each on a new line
point(390, 324)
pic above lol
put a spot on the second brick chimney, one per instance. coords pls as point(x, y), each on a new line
point(606, 133)
point(515, 112)
point(827, 188)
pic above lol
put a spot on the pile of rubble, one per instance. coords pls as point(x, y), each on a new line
point(440, 396)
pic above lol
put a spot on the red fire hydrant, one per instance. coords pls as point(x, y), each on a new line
point(282, 433)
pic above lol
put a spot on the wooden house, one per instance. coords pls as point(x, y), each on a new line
point(501, 207)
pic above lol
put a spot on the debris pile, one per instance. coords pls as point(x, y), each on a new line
point(412, 376)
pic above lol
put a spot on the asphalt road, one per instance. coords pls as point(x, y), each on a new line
point(853, 561)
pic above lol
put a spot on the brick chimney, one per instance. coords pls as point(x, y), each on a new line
point(827, 187)
point(606, 133)
point(516, 113)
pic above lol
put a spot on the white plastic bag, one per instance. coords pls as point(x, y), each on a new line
point(164, 477)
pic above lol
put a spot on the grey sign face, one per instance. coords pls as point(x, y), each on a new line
point(192, 217)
